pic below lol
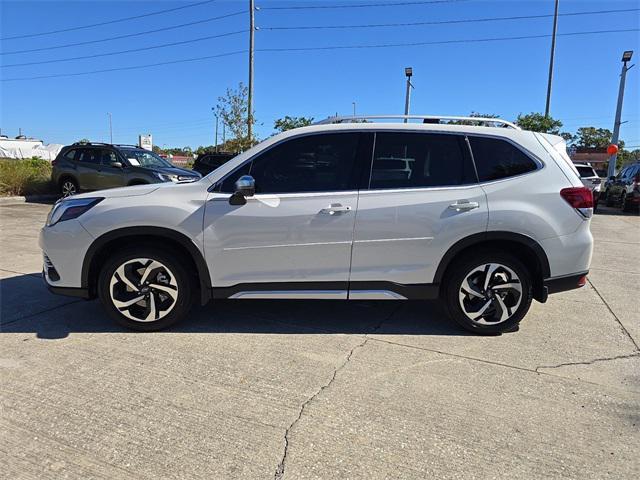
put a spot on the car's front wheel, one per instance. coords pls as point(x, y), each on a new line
point(488, 293)
point(145, 289)
point(68, 187)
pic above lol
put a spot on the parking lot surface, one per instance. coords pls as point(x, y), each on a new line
point(302, 389)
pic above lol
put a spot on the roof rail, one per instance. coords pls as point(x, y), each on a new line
point(433, 119)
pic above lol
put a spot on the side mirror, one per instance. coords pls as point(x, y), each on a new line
point(245, 187)
point(117, 165)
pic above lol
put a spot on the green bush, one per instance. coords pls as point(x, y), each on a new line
point(25, 177)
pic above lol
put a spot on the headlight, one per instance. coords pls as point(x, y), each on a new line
point(70, 208)
point(166, 177)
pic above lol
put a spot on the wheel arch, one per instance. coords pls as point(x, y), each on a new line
point(525, 248)
point(64, 176)
point(99, 251)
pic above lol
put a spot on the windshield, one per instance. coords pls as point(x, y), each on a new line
point(144, 158)
point(586, 172)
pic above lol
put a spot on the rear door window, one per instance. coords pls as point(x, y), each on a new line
point(417, 160)
point(89, 155)
point(496, 158)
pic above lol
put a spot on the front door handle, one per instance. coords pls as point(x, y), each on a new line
point(335, 208)
point(463, 205)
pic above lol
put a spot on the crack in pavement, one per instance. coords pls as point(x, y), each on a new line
point(624, 330)
point(589, 362)
point(279, 473)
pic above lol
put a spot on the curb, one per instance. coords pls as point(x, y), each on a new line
point(28, 199)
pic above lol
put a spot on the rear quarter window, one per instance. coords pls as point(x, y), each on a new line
point(496, 159)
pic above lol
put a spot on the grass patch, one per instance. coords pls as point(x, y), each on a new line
point(25, 177)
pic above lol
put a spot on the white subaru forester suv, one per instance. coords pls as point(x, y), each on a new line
point(486, 218)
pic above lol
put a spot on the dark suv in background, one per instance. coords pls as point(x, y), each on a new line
point(96, 166)
point(207, 162)
point(624, 189)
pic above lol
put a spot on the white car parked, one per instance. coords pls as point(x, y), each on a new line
point(590, 179)
point(488, 219)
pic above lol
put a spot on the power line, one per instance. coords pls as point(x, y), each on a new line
point(333, 47)
point(83, 57)
point(441, 42)
point(132, 67)
point(129, 35)
point(445, 22)
point(396, 4)
point(109, 22)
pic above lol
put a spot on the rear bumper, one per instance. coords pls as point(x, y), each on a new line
point(565, 282)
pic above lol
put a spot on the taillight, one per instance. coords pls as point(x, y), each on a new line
point(636, 181)
point(54, 163)
point(578, 197)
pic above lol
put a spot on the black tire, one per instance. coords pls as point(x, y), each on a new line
point(66, 185)
point(174, 271)
point(459, 271)
point(624, 205)
point(608, 201)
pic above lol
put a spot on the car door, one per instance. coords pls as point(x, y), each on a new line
point(293, 237)
point(423, 196)
point(111, 176)
point(88, 163)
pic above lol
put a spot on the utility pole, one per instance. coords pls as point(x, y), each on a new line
point(407, 98)
point(551, 58)
point(215, 115)
point(626, 57)
point(252, 9)
point(110, 128)
point(354, 108)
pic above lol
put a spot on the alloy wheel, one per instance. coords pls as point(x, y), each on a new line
point(143, 289)
point(490, 294)
point(68, 189)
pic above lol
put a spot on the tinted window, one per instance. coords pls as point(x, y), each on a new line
point(70, 154)
point(411, 160)
point(89, 155)
point(315, 163)
point(229, 183)
point(499, 159)
point(586, 172)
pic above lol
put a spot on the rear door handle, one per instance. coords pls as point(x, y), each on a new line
point(335, 208)
point(464, 205)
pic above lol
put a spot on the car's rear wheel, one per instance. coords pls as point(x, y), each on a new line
point(145, 289)
point(68, 187)
point(488, 293)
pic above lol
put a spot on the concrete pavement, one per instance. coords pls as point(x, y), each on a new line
point(294, 389)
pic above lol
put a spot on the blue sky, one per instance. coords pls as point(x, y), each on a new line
point(174, 101)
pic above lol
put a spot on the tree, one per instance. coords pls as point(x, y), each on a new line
point(537, 122)
point(594, 138)
point(471, 122)
point(288, 123)
point(232, 109)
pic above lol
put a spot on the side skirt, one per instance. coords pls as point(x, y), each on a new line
point(329, 291)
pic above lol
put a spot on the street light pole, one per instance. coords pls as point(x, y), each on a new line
point(626, 57)
point(215, 115)
point(354, 108)
point(407, 98)
point(250, 95)
point(551, 58)
point(110, 128)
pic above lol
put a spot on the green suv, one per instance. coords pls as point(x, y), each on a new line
point(96, 166)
